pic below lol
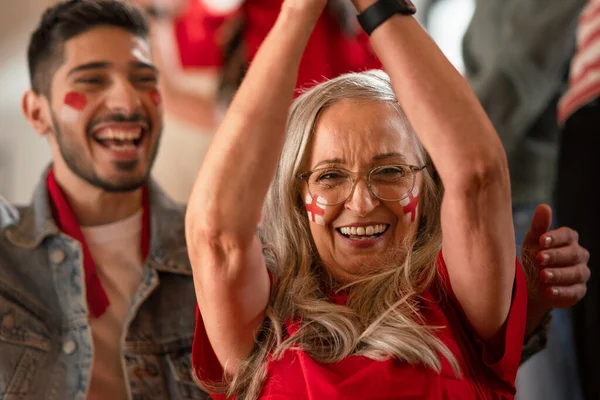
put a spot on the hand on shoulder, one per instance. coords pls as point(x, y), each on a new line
point(556, 263)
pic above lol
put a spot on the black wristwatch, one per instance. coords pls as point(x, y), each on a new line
point(377, 13)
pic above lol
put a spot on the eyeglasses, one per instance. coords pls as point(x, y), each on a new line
point(330, 186)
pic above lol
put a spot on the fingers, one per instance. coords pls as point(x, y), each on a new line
point(565, 297)
point(542, 218)
point(574, 275)
point(568, 255)
point(564, 287)
point(558, 237)
point(562, 281)
point(540, 223)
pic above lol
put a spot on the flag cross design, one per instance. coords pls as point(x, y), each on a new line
point(410, 203)
point(315, 210)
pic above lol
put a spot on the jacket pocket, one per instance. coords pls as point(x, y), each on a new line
point(180, 366)
point(162, 370)
point(24, 345)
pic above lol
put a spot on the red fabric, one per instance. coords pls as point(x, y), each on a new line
point(329, 52)
point(197, 34)
point(296, 375)
point(66, 221)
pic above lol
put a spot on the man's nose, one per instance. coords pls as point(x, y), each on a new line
point(123, 98)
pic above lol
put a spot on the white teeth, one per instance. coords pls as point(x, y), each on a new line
point(363, 230)
point(121, 147)
point(109, 134)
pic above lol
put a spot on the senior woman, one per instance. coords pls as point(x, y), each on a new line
point(375, 282)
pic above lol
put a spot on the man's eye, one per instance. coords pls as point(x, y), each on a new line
point(90, 81)
point(146, 79)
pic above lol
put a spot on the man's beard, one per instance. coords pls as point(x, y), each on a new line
point(84, 169)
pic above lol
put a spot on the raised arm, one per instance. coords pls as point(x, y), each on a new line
point(478, 238)
point(231, 280)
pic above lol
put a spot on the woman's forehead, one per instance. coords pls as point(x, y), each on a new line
point(358, 132)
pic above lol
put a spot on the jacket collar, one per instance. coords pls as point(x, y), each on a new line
point(168, 252)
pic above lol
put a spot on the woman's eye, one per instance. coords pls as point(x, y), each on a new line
point(330, 176)
point(391, 171)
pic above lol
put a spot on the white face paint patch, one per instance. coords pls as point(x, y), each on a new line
point(315, 210)
point(73, 104)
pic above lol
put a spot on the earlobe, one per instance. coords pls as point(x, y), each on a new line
point(32, 106)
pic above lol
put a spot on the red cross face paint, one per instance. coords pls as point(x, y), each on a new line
point(315, 210)
point(410, 203)
point(73, 104)
point(155, 97)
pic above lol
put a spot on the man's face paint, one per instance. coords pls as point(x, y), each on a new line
point(315, 210)
point(105, 118)
point(410, 203)
point(73, 105)
point(155, 97)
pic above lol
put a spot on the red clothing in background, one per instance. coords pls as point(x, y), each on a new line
point(329, 52)
point(584, 77)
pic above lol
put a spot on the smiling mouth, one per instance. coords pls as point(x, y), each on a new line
point(363, 232)
point(120, 139)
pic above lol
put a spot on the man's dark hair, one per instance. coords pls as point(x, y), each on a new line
point(71, 18)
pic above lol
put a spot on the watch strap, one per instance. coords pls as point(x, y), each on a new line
point(379, 12)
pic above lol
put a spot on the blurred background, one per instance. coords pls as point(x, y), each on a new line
point(515, 53)
point(23, 155)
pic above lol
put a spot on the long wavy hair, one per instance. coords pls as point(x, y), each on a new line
point(381, 318)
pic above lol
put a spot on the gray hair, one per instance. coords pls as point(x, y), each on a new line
point(381, 318)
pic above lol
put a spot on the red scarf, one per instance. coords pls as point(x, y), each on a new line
point(67, 222)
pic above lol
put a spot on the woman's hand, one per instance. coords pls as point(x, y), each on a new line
point(555, 265)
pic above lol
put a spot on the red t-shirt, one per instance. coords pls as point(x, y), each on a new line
point(297, 376)
point(66, 220)
point(329, 53)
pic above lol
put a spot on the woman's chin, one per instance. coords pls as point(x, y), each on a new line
point(350, 269)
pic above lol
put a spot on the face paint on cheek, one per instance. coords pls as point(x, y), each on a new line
point(73, 104)
point(155, 97)
point(315, 210)
point(410, 203)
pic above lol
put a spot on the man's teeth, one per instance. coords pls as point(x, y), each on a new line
point(363, 230)
point(115, 134)
point(124, 146)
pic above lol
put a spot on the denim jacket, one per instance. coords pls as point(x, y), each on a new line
point(46, 349)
